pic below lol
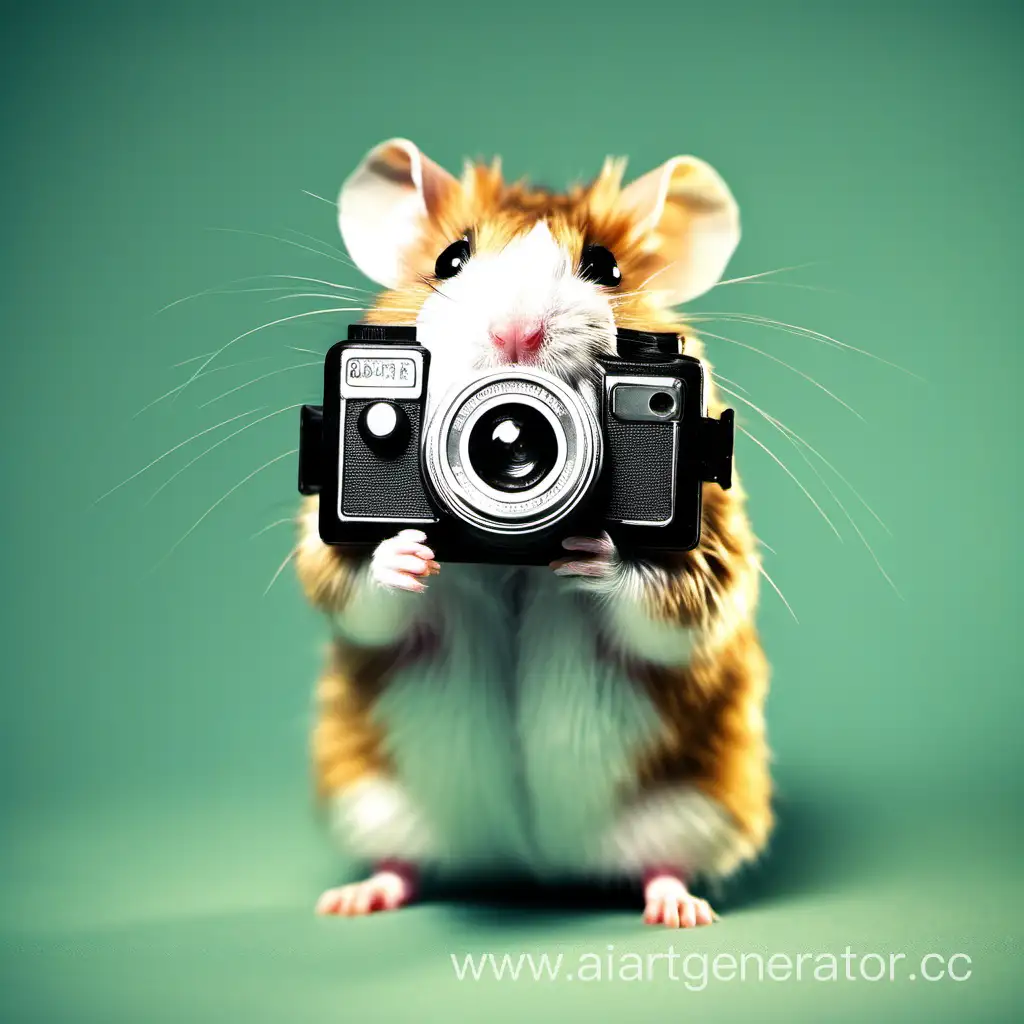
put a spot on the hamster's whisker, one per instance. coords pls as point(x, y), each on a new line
point(252, 291)
point(766, 546)
point(306, 351)
point(206, 373)
point(793, 477)
point(782, 362)
point(219, 289)
point(871, 551)
point(793, 437)
point(430, 284)
point(227, 494)
point(272, 323)
point(322, 295)
point(291, 554)
point(657, 273)
point(191, 359)
point(807, 332)
point(739, 318)
point(318, 280)
point(781, 284)
point(284, 241)
point(256, 380)
point(210, 291)
point(223, 440)
point(280, 503)
point(271, 526)
point(313, 195)
point(619, 297)
point(727, 380)
point(814, 451)
point(765, 273)
point(319, 241)
point(764, 572)
point(171, 451)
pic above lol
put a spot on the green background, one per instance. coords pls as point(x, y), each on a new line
point(160, 854)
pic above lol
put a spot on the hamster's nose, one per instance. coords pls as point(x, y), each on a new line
point(517, 341)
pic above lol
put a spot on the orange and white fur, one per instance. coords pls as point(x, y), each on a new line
point(593, 719)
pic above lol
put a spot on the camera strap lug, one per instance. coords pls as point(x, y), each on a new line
point(311, 440)
point(716, 448)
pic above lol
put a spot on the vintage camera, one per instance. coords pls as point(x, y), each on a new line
point(505, 464)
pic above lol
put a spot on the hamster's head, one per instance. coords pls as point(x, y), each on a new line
point(495, 273)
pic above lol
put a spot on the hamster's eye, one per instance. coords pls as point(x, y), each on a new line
point(452, 260)
point(597, 264)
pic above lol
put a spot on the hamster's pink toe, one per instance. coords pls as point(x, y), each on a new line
point(385, 890)
point(670, 903)
point(330, 901)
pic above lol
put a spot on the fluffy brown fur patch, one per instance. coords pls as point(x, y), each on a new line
point(346, 743)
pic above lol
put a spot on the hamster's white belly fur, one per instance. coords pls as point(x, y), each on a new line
point(512, 747)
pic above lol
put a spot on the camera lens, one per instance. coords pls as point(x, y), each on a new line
point(512, 451)
point(512, 447)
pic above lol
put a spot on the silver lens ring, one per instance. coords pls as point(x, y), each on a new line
point(467, 496)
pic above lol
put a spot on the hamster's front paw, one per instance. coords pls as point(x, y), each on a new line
point(401, 562)
point(598, 564)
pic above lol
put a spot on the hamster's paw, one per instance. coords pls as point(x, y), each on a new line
point(401, 562)
point(597, 563)
point(670, 903)
point(386, 889)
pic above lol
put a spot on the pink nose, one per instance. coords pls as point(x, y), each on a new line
point(517, 341)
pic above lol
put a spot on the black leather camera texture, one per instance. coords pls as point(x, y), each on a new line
point(372, 486)
point(640, 470)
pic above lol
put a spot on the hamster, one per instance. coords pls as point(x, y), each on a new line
point(590, 720)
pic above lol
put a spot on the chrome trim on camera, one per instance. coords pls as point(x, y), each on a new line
point(577, 431)
point(390, 364)
point(675, 391)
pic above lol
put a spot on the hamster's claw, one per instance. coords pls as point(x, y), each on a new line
point(670, 903)
point(401, 562)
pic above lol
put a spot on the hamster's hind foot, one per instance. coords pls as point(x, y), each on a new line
point(670, 903)
point(391, 886)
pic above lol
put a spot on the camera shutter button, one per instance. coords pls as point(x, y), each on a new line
point(381, 419)
point(385, 428)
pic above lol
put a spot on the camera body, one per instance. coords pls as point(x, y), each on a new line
point(505, 464)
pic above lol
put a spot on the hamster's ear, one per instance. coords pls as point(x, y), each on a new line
point(383, 203)
point(686, 215)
